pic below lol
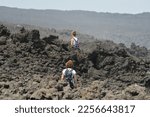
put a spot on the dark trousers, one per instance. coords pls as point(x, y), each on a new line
point(71, 83)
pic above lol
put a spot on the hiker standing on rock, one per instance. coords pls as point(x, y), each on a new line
point(74, 41)
point(75, 50)
point(69, 74)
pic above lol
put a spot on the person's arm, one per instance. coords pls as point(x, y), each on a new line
point(62, 76)
point(71, 42)
point(75, 80)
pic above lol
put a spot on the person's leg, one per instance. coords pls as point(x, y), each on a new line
point(71, 83)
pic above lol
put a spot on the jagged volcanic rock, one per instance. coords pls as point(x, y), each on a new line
point(31, 67)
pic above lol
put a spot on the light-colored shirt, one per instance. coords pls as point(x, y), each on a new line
point(73, 71)
point(75, 42)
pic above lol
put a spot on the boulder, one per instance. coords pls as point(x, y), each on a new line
point(3, 40)
point(134, 92)
point(4, 31)
point(41, 94)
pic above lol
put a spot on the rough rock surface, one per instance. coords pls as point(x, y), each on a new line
point(31, 67)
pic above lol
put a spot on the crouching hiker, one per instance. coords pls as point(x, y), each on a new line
point(69, 74)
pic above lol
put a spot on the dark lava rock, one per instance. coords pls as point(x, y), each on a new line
point(4, 31)
point(3, 40)
point(31, 68)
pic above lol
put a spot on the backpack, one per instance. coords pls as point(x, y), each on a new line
point(76, 45)
point(69, 74)
point(69, 77)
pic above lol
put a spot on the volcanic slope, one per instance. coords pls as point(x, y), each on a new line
point(31, 67)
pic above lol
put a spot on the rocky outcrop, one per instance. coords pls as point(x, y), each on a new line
point(4, 31)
